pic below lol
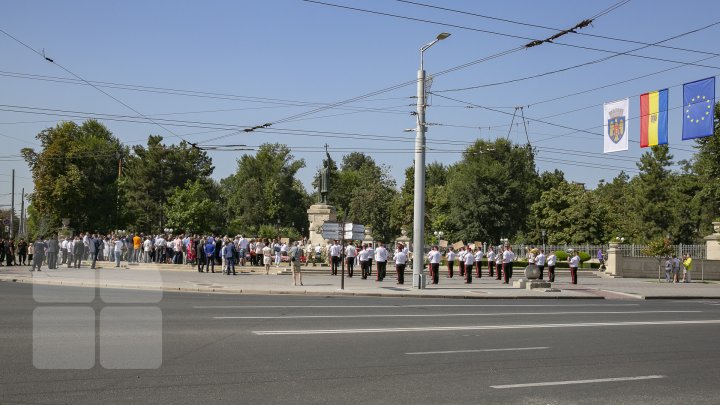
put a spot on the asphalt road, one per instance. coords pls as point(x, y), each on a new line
point(295, 349)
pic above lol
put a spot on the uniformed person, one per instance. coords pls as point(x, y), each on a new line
point(469, 261)
point(450, 261)
point(400, 262)
point(478, 262)
point(508, 258)
point(434, 264)
point(491, 260)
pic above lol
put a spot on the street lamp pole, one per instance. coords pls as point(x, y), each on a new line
point(419, 198)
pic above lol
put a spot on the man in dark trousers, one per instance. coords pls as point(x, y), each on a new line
point(508, 259)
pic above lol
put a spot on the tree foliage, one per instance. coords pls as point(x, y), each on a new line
point(492, 189)
point(75, 175)
point(152, 173)
point(265, 191)
point(191, 209)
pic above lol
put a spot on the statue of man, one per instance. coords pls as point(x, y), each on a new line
point(325, 178)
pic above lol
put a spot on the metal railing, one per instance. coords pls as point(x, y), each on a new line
point(695, 251)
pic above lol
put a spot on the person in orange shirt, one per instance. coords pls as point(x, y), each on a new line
point(137, 248)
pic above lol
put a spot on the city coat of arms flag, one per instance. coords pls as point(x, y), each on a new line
point(615, 125)
point(698, 108)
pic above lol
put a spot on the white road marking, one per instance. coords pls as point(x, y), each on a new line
point(509, 349)
point(481, 327)
point(597, 380)
point(452, 315)
point(411, 306)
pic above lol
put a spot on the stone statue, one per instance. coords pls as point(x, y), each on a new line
point(325, 178)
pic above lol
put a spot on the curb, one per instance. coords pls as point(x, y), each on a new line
point(287, 292)
point(252, 291)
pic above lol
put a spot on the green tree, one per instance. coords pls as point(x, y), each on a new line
point(265, 191)
point(436, 201)
point(491, 190)
point(152, 173)
point(75, 176)
point(191, 209)
point(570, 214)
point(706, 166)
point(621, 216)
point(652, 193)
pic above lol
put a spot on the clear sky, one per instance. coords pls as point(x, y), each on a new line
point(265, 61)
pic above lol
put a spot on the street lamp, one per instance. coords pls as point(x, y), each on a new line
point(543, 238)
point(438, 235)
point(419, 199)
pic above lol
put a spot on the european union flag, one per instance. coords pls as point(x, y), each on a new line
point(698, 108)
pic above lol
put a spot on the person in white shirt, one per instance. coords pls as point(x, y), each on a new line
point(371, 256)
point(70, 246)
point(401, 259)
point(508, 259)
point(267, 257)
point(469, 259)
point(434, 264)
point(381, 255)
point(350, 254)
point(461, 261)
point(478, 262)
point(335, 250)
point(147, 248)
point(551, 260)
point(574, 263)
point(363, 259)
point(540, 261)
point(451, 261)
point(119, 244)
point(491, 260)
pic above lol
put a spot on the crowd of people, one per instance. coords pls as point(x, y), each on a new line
point(208, 251)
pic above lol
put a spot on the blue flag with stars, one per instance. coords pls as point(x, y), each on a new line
point(698, 108)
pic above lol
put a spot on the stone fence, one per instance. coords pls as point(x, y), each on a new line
point(619, 265)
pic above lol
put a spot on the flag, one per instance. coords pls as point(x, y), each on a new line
point(615, 125)
point(698, 108)
point(654, 118)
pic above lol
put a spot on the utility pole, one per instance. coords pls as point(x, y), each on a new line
point(12, 205)
point(419, 198)
point(21, 228)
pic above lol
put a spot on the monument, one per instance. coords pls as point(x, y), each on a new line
point(321, 212)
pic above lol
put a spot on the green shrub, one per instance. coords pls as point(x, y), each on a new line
point(561, 255)
point(584, 256)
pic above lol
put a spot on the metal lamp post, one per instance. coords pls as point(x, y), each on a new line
point(543, 239)
point(419, 198)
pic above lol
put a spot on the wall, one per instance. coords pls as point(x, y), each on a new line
point(647, 267)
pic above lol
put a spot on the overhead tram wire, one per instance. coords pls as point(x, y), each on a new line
point(391, 88)
point(285, 131)
point(600, 60)
point(52, 61)
point(534, 41)
point(581, 33)
point(276, 131)
point(314, 111)
point(173, 91)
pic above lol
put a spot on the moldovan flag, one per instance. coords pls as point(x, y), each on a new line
point(615, 125)
point(654, 118)
point(698, 108)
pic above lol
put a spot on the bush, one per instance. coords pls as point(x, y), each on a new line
point(561, 255)
point(584, 256)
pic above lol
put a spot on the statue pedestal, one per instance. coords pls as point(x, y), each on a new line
point(318, 214)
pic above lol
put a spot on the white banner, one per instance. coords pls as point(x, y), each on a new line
point(615, 125)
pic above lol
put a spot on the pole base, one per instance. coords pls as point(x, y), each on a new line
point(419, 281)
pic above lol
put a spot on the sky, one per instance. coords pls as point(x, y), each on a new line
point(204, 70)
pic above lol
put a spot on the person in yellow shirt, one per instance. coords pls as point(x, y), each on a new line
point(137, 248)
point(687, 268)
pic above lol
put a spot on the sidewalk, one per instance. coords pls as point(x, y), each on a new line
point(317, 281)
